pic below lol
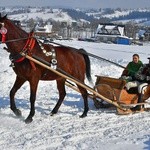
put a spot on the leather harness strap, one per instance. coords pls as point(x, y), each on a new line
point(28, 48)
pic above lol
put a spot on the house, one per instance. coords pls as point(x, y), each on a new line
point(112, 33)
point(141, 35)
point(147, 34)
point(45, 31)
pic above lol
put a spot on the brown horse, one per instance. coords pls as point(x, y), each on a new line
point(72, 62)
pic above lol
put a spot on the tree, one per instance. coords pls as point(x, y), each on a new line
point(131, 29)
point(31, 23)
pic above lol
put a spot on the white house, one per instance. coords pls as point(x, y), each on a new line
point(111, 33)
point(45, 31)
point(47, 28)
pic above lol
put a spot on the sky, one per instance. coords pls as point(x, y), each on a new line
point(80, 3)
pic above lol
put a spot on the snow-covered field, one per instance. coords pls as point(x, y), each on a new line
point(102, 129)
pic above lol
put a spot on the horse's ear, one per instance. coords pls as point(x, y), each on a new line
point(5, 16)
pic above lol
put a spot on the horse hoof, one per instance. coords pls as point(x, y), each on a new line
point(28, 120)
point(83, 116)
point(18, 113)
point(52, 114)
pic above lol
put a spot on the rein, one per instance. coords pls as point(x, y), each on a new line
point(15, 40)
point(92, 55)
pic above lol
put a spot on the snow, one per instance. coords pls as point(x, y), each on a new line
point(101, 129)
point(57, 15)
point(117, 14)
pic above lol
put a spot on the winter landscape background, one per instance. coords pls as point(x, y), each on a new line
point(101, 129)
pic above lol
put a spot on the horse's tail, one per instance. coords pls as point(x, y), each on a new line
point(88, 64)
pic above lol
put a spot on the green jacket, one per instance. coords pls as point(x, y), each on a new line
point(132, 68)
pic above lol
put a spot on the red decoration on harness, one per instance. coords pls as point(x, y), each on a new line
point(20, 59)
point(3, 31)
point(28, 47)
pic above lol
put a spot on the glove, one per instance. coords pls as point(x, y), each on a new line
point(138, 76)
point(123, 77)
point(126, 78)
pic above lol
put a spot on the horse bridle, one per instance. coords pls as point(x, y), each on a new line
point(28, 46)
point(3, 32)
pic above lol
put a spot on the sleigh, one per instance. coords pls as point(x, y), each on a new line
point(114, 89)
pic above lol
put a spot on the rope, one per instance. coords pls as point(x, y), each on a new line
point(86, 53)
point(14, 40)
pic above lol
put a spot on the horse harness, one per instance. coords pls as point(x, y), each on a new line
point(28, 50)
point(3, 32)
point(52, 53)
point(17, 58)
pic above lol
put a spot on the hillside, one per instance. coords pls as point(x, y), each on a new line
point(77, 15)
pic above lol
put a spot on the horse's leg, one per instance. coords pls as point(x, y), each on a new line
point(33, 89)
point(85, 98)
point(18, 83)
point(62, 94)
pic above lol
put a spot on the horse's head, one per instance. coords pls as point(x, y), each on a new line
point(9, 30)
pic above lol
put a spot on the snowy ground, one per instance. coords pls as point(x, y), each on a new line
point(102, 129)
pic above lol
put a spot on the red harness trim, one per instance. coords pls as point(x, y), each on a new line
point(28, 48)
point(20, 59)
point(30, 43)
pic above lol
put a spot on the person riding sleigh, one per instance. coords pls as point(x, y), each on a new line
point(141, 79)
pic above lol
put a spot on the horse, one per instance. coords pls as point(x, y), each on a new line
point(74, 63)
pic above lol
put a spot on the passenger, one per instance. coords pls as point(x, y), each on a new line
point(130, 75)
point(131, 69)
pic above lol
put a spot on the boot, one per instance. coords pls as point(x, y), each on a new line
point(138, 107)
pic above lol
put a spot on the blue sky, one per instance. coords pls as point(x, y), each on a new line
point(80, 3)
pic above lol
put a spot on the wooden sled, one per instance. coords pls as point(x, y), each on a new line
point(114, 89)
